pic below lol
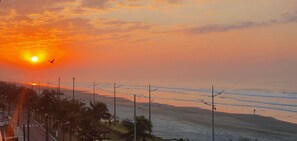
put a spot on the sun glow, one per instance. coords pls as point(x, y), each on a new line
point(35, 56)
point(34, 59)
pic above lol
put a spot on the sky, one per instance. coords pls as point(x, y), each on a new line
point(247, 43)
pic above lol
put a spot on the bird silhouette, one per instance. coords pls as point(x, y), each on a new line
point(51, 61)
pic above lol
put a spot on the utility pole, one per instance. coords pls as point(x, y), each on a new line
point(28, 114)
point(18, 122)
point(46, 127)
point(73, 89)
point(212, 105)
point(114, 102)
point(39, 89)
point(28, 119)
point(59, 88)
point(214, 108)
point(24, 132)
point(135, 118)
point(150, 104)
point(94, 91)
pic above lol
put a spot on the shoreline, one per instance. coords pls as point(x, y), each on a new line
point(180, 106)
point(195, 123)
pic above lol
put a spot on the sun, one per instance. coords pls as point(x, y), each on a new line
point(34, 59)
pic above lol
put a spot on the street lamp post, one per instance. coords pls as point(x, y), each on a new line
point(212, 111)
point(39, 88)
point(28, 124)
point(24, 131)
point(135, 118)
point(46, 127)
point(73, 88)
point(18, 122)
point(94, 91)
point(213, 108)
point(59, 87)
point(28, 114)
point(150, 104)
point(114, 101)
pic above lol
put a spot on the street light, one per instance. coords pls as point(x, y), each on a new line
point(46, 127)
point(73, 88)
point(94, 90)
point(18, 122)
point(134, 121)
point(59, 87)
point(114, 101)
point(28, 112)
point(213, 107)
point(150, 109)
point(39, 89)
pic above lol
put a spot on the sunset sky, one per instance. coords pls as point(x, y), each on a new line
point(252, 43)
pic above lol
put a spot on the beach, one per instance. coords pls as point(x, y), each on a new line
point(197, 68)
point(171, 122)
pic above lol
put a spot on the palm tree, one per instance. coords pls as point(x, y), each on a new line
point(99, 111)
point(73, 112)
point(143, 128)
point(10, 96)
point(9, 92)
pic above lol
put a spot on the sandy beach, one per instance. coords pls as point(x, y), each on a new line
point(194, 123)
point(181, 58)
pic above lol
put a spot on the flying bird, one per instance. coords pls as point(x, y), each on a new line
point(52, 61)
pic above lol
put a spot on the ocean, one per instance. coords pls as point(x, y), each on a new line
point(276, 103)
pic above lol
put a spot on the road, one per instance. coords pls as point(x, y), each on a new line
point(37, 132)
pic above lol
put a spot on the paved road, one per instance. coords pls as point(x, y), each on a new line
point(37, 133)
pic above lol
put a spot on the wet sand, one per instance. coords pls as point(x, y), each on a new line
point(195, 123)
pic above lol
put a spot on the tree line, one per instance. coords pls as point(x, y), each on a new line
point(75, 119)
